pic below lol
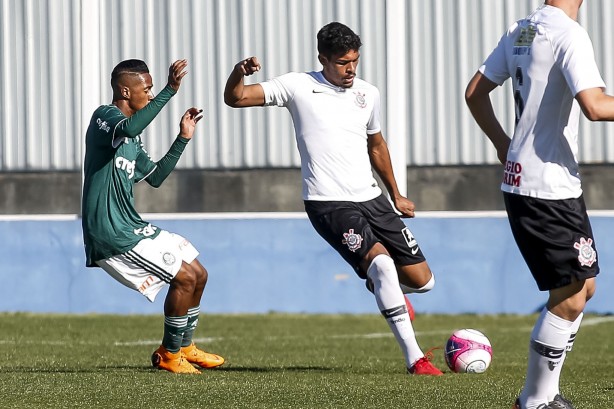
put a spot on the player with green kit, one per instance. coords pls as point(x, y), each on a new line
point(134, 252)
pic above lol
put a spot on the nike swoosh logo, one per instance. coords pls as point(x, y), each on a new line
point(394, 311)
point(414, 251)
point(315, 91)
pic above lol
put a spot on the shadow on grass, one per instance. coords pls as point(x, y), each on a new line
point(273, 369)
point(140, 368)
point(78, 370)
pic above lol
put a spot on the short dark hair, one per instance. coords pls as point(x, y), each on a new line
point(132, 66)
point(336, 38)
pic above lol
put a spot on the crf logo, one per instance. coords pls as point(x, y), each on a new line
point(103, 125)
point(146, 231)
point(125, 164)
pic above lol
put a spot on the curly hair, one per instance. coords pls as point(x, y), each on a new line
point(336, 38)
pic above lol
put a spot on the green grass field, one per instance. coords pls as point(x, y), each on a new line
point(280, 361)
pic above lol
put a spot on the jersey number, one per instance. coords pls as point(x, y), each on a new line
point(517, 97)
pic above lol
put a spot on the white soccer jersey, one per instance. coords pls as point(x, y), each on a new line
point(331, 126)
point(550, 59)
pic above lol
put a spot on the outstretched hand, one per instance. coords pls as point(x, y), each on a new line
point(189, 121)
point(176, 72)
point(248, 66)
point(405, 206)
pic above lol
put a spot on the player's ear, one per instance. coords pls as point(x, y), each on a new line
point(323, 60)
point(125, 92)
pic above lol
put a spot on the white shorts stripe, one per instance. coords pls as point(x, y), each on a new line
point(148, 266)
point(151, 264)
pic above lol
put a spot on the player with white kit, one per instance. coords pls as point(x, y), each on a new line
point(550, 60)
point(337, 125)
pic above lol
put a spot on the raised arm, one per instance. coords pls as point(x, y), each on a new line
point(168, 162)
point(239, 95)
point(136, 123)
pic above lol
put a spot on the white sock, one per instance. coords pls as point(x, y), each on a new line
point(427, 287)
point(391, 302)
point(557, 370)
point(548, 342)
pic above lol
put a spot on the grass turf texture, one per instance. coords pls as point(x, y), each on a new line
point(280, 361)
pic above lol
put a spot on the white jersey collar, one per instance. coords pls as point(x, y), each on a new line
point(319, 77)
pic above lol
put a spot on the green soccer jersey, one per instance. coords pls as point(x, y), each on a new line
point(114, 161)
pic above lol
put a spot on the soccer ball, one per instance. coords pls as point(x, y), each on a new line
point(468, 351)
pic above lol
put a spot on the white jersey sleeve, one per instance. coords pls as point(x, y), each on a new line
point(374, 126)
point(576, 58)
point(280, 90)
point(495, 68)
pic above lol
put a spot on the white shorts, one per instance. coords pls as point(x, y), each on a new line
point(151, 264)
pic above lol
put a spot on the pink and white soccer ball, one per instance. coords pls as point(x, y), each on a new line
point(468, 351)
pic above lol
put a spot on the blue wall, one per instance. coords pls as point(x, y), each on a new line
point(264, 264)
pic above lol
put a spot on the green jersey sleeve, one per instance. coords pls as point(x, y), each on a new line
point(133, 126)
point(168, 162)
point(156, 172)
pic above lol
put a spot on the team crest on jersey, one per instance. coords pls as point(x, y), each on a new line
point(360, 100)
point(168, 259)
point(586, 253)
point(352, 240)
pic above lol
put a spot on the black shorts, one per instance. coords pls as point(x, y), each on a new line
point(554, 237)
point(353, 228)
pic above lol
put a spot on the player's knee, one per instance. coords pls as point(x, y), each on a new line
point(201, 276)
point(382, 271)
point(590, 289)
point(425, 288)
point(187, 277)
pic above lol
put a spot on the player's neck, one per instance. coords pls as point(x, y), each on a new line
point(123, 106)
point(569, 7)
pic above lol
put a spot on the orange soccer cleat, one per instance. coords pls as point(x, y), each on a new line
point(201, 358)
point(172, 362)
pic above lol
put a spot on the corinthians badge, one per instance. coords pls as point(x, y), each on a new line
point(352, 240)
point(360, 100)
point(586, 254)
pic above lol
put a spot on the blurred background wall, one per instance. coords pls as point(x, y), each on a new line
point(259, 263)
point(56, 58)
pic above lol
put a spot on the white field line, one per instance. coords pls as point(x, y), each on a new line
point(375, 335)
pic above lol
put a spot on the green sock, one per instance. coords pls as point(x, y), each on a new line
point(174, 328)
point(191, 326)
